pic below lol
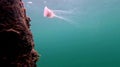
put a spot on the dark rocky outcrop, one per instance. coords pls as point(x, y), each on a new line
point(16, 40)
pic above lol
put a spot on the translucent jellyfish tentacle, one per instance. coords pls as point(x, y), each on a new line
point(70, 11)
point(65, 19)
point(62, 11)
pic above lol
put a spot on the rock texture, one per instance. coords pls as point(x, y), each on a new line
point(16, 40)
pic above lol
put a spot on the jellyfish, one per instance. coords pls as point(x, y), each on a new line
point(49, 13)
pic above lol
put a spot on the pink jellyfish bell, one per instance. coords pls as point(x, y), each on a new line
point(48, 12)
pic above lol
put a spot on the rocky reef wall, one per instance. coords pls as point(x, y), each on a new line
point(16, 40)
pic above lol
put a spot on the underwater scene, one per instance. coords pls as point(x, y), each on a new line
point(75, 33)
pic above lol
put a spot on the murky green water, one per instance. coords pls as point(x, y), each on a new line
point(92, 40)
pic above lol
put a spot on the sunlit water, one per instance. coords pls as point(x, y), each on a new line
point(91, 40)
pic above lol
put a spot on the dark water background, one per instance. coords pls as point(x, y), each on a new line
point(92, 40)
